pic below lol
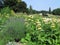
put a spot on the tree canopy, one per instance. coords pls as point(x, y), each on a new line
point(16, 5)
point(56, 11)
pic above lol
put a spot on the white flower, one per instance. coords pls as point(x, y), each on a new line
point(47, 20)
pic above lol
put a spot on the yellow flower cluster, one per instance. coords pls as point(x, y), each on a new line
point(38, 24)
point(36, 21)
point(53, 25)
point(47, 20)
point(30, 16)
point(54, 19)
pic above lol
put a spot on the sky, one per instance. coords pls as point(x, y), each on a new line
point(43, 4)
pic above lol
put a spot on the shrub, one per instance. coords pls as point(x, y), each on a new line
point(45, 34)
point(6, 11)
point(15, 29)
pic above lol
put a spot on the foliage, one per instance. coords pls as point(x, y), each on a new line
point(41, 32)
point(17, 6)
point(4, 15)
point(6, 32)
point(21, 7)
point(14, 27)
point(34, 30)
point(11, 3)
point(56, 11)
point(6, 11)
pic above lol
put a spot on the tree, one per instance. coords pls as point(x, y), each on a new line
point(16, 5)
point(56, 11)
point(31, 9)
point(49, 10)
point(11, 3)
point(21, 7)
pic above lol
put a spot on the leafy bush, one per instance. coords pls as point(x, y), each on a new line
point(14, 29)
point(6, 11)
point(44, 34)
point(4, 15)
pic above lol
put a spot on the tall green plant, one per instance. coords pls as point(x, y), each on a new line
point(15, 28)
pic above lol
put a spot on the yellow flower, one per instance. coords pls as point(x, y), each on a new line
point(54, 20)
point(39, 28)
point(58, 20)
point(39, 24)
point(53, 25)
point(47, 19)
point(31, 16)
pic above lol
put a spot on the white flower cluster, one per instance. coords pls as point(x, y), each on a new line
point(47, 20)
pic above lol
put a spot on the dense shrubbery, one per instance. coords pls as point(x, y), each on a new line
point(11, 27)
point(17, 6)
point(6, 11)
point(35, 30)
point(4, 15)
point(41, 31)
point(14, 28)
